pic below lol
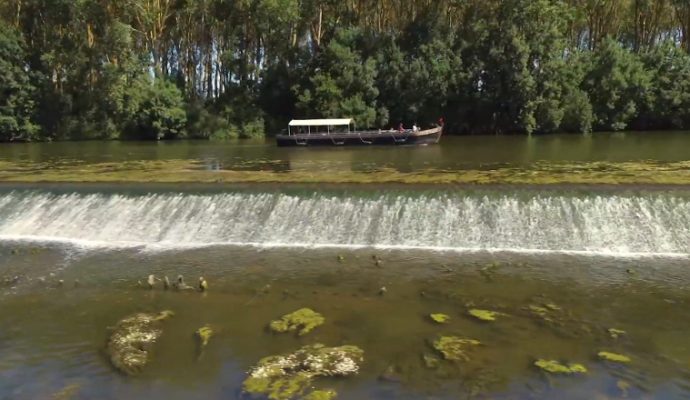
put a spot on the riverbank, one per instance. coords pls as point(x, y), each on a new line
point(194, 171)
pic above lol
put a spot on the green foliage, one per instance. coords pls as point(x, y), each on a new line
point(343, 84)
point(78, 70)
point(17, 106)
point(154, 110)
point(616, 84)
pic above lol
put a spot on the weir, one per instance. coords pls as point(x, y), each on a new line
point(615, 223)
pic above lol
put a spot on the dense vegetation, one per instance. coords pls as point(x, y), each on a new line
point(159, 69)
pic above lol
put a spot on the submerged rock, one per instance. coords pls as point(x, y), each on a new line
point(303, 320)
point(203, 335)
point(616, 333)
point(454, 348)
point(321, 395)
point(608, 356)
point(68, 392)
point(555, 367)
point(484, 315)
point(132, 338)
point(439, 318)
point(290, 376)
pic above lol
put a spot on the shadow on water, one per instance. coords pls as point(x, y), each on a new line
point(55, 330)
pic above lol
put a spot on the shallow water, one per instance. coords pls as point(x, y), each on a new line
point(71, 258)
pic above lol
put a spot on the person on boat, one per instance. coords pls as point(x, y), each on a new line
point(415, 128)
point(401, 128)
point(441, 121)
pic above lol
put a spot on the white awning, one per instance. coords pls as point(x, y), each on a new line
point(320, 122)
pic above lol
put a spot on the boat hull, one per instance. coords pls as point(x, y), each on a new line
point(369, 138)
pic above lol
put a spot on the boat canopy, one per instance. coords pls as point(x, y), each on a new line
point(320, 122)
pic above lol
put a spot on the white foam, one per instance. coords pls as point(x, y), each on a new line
point(652, 225)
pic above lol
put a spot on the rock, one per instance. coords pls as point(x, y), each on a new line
point(289, 376)
point(131, 341)
point(151, 281)
point(203, 285)
point(321, 395)
point(440, 318)
point(390, 375)
point(303, 320)
point(608, 356)
point(431, 361)
point(203, 334)
point(483, 315)
point(181, 285)
point(555, 367)
point(616, 333)
point(382, 290)
point(454, 348)
point(68, 392)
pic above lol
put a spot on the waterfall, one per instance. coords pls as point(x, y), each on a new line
point(611, 222)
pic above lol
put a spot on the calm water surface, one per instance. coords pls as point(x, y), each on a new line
point(453, 153)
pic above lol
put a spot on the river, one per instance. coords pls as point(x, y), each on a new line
point(570, 270)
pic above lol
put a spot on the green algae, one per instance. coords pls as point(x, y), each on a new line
point(290, 375)
point(440, 318)
point(484, 315)
point(454, 348)
point(616, 333)
point(303, 321)
point(321, 395)
point(132, 338)
point(556, 367)
point(614, 357)
point(177, 171)
point(203, 335)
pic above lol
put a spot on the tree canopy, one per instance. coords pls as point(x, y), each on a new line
point(166, 69)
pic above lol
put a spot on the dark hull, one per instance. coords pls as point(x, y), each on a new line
point(430, 136)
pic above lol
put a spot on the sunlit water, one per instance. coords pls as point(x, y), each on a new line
point(71, 257)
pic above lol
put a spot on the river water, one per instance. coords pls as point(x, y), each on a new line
point(376, 261)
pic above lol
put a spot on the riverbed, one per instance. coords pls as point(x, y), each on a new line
point(567, 270)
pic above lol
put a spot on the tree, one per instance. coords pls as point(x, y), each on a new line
point(17, 106)
point(343, 84)
point(154, 110)
point(617, 85)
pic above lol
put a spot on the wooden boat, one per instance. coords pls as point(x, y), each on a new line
point(332, 132)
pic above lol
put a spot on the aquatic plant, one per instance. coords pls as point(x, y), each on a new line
point(608, 356)
point(615, 333)
point(303, 320)
point(556, 367)
point(204, 334)
point(132, 338)
point(484, 315)
point(290, 375)
point(454, 348)
point(440, 318)
point(321, 395)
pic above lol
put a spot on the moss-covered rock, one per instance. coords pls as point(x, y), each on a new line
point(615, 357)
point(303, 320)
point(454, 348)
point(439, 318)
point(484, 315)
point(321, 395)
point(203, 336)
point(556, 367)
point(616, 333)
point(289, 376)
point(132, 338)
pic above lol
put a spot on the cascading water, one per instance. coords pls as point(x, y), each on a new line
point(616, 223)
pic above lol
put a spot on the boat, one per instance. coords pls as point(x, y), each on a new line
point(338, 132)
